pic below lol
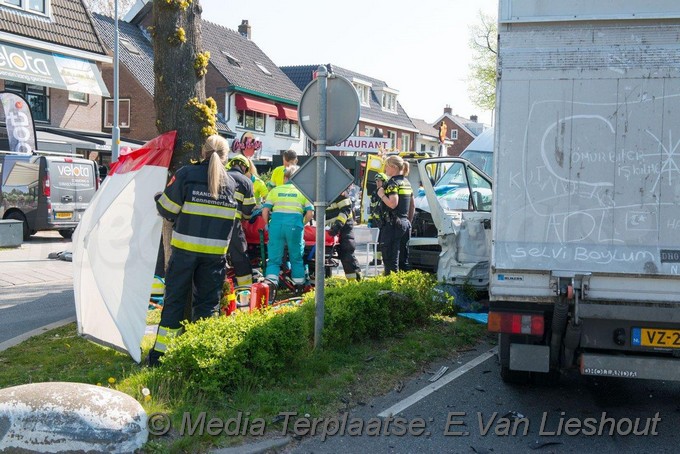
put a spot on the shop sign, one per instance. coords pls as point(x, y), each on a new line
point(364, 144)
point(248, 145)
point(32, 66)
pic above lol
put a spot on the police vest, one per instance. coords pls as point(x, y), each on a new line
point(399, 185)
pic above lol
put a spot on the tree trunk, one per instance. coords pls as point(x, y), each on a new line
point(176, 42)
point(176, 35)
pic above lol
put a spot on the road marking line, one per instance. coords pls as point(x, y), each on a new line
point(429, 389)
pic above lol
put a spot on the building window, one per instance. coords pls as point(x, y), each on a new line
point(38, 98)
point(393, 137)
point(287, 128)
point(248, 119)
point(389, 102)
point(369, 131)
point(126, 43)
point(233, 61)
point(454, 134)
point(35, 6)
point(406, 142)
point(123, 113)
point(78, 96)
point(422, 147)
point(364, 92)
point(263, 68)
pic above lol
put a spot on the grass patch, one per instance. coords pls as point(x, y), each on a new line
point(319, 383)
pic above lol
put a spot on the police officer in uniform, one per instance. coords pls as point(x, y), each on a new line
point(200, 201)
point(239, 165)
point(398, 197)
point(340, 220)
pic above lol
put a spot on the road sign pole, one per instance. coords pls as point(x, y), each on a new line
point(320, 209)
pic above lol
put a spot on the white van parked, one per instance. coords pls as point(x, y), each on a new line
point(46, 192)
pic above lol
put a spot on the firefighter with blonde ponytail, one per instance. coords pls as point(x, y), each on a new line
point(200, 201)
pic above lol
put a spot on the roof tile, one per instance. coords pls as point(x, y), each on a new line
point(69, 25)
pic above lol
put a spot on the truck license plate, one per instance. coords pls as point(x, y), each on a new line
point(64, 215)
point(652, 337)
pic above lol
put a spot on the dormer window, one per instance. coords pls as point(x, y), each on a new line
point(388, 98)
point(363, 89)
point(33, 6)
point(263, 68)
point(233, 61)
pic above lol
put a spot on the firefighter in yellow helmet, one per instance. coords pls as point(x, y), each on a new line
point(238, 256)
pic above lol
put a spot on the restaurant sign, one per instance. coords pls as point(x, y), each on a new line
point(363, 144)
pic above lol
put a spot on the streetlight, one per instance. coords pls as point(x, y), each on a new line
point(115, 133)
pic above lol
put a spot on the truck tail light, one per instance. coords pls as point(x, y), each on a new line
point(46, 185)
point(510, 323)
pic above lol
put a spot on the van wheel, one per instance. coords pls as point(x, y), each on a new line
point(68, 233)
point(20, 217)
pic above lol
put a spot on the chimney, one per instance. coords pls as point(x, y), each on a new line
point(473, 118)
point(244, 29)
point(447, 110)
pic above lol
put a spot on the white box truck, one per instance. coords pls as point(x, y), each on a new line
point(585, 265)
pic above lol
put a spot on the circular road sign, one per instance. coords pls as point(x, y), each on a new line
point(342, 109)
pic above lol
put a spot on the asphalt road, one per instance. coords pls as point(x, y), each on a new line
point(477, 412)
point(34, 291)
point(31, 307)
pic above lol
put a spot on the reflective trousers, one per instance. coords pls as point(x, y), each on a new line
point(238, 256)
point(200, 277)
point(346, 249)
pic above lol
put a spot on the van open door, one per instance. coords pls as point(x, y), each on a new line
point(455, 197)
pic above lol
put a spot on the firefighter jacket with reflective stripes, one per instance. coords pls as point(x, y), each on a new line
point(243, 194)
point(377, 212)
point(339, 214)
point(202, 224)
point(399, 185)
point(287, 204)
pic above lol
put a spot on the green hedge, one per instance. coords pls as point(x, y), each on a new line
point(217, 353)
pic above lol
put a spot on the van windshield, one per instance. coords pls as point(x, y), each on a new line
point(481, 159)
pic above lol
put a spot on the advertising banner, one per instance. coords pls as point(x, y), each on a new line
point(19, 123)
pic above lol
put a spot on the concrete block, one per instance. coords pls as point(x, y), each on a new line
point(11, 233)
point(70, 417)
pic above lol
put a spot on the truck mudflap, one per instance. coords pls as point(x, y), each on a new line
point(643, 367)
